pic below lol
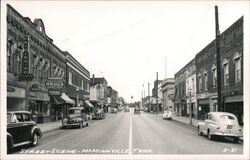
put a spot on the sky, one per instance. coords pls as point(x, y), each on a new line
point(128, 42)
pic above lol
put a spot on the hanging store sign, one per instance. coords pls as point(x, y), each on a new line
point(25, 76)
point(54, 93)
point(55, 84)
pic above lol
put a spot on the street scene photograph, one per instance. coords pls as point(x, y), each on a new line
point(124, 80)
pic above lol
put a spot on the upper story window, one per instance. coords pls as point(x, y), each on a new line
point(226, 72)
point(10, 45)
point(200, 82)
point(82, 85)
point(214, 74)
point(205, 81)
point(70, 77)
point(237, 63)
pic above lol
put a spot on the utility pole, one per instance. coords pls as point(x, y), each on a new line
point(156, 92)
point(149, 97)
point(190, 108)
point(218, 68)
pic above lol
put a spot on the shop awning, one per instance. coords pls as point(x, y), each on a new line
point(89, 104)
point(63, 99)
point(67, 99)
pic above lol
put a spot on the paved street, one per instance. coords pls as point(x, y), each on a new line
point(126, 133)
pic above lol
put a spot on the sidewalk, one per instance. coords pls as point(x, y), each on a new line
point(49, 126)
point(186, 121)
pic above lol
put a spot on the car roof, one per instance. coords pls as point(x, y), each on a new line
point(221, 113)
point(12, 112)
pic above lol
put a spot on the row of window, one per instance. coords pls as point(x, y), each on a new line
point(226, 75)
point(78, 81)
point(40, 67)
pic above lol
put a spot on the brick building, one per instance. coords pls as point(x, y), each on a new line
point(77, 83)
point(32, 59)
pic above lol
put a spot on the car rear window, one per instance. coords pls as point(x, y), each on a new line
point(8, 117)
point(227, 117)
point(74, 111)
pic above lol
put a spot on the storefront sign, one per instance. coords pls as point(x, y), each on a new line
point(55, 84)
point(54, 93)
point(10, 89)
point(25, 76)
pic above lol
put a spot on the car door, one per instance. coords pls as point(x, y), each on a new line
point(15, 128)
point(206, 123)
point(27, 126)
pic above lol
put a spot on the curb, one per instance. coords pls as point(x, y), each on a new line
point(184, 123)
point(50, 130)
point(241, 138)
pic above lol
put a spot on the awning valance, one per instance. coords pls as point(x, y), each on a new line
point(89, 104)
point(63, 99)
point(67, 99)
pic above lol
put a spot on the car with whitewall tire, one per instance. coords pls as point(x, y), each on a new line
point(21, 129)
point(220, 124)
point(76, 118)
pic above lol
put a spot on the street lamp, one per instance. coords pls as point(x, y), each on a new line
point(190, 108)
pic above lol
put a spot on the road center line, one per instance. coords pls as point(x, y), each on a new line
point(130, 135)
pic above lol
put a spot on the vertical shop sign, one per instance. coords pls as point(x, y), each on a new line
point(25, 76)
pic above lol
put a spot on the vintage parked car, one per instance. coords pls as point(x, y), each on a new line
point(114, 110)
point(167, 115)
point(221, 124)
point(21, 129)
point(98, 114)
point(137, 110)
point(76, 117)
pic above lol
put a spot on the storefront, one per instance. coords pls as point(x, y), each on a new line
point(61, 104)
point(203, 108)
point(38, 105)
point(15, 98)
point(234, 104)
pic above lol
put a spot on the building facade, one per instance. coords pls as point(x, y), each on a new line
point(98, 92)
point(168, 90)
point(78, 79)
point(32, 60)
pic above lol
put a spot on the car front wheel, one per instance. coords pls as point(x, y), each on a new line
point(34, 139)
point(80, 125)
point(210, 137)
point(199, 132)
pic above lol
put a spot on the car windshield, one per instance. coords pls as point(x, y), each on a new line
point(224, 117)
point(8, 117)
point(98, 111)
point(74, 111)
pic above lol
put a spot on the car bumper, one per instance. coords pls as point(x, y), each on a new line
point(227, 134)
point(70, 124)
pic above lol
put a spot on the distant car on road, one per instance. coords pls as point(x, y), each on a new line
point(114, 110)
point(221, 124)
point(167, 115)
point(21, 129)
point(76, 117)
point(126, 109)
point(98, 114)
point(137, 110)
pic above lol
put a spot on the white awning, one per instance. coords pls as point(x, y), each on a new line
point(67, 99)
point(89, 104)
